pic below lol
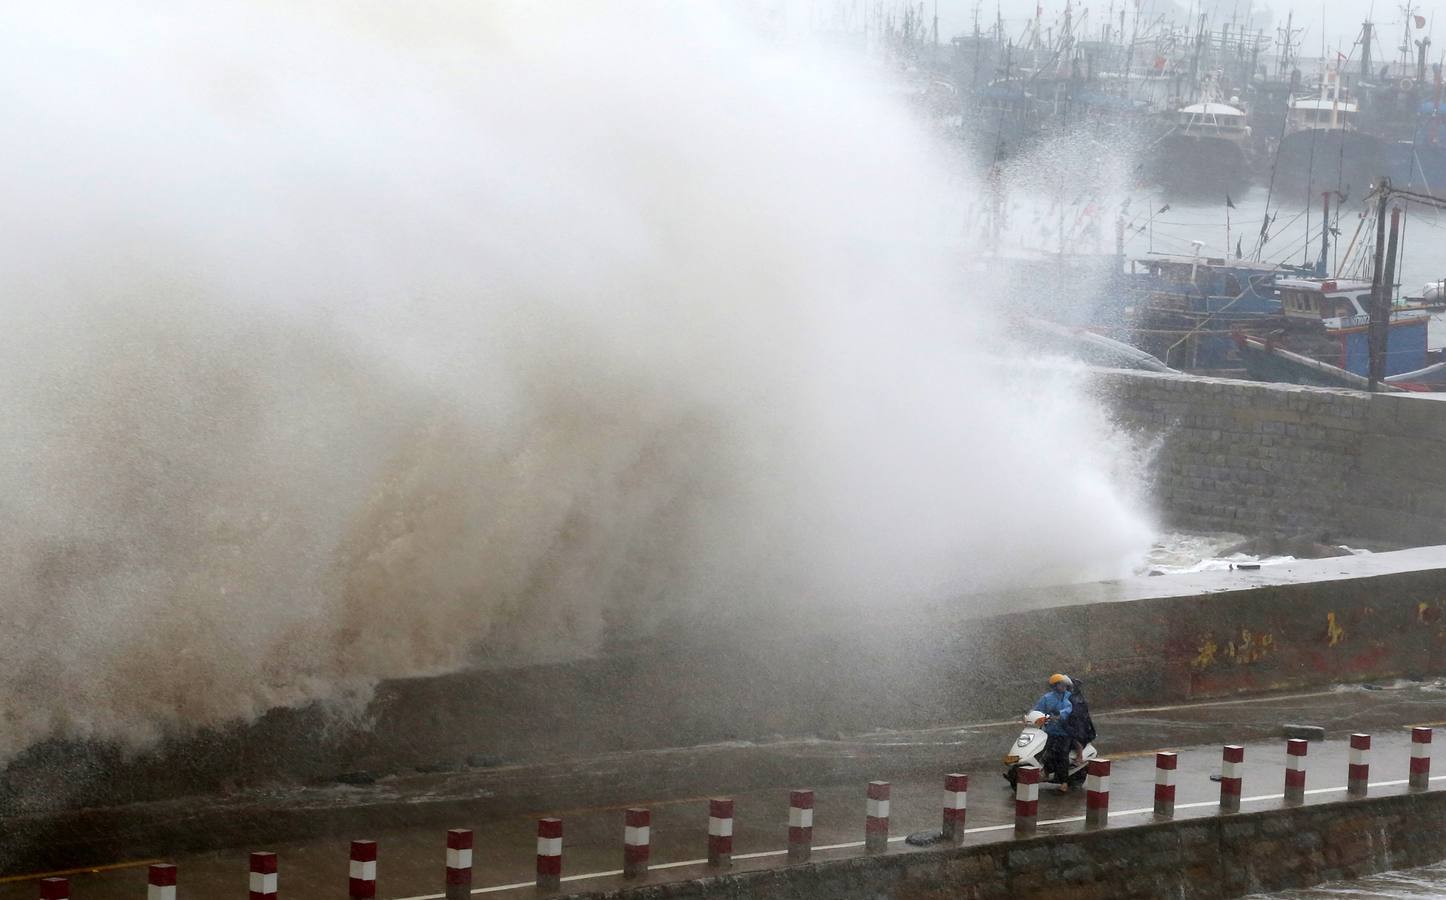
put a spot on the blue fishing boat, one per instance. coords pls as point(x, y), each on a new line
point(1186, 309)
point(1326, 338)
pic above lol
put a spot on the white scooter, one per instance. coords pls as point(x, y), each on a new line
point(1030, 744)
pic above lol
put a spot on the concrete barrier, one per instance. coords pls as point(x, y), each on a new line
point(1232, 765)
point(362, 876)
point(637, 841)
point(549, 854)
point(720, 832)
point(161, 882)
point(1026, 800)
point(876, 817)
point(1165, 766)
point(800, 826)
point(1359, 770)
point(1296, 754)
point(1420, 777)
point(956, 806)
point(459, 864)
point(264, 876)
point(1097, 794)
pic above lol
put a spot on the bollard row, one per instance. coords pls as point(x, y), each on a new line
point(161, 878)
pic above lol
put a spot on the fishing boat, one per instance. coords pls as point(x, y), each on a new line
point(1323, 148)
point(1186, 309)
point(1326, 337)
point(1207, 149)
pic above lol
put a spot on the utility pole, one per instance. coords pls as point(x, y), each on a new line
point(1380, 306)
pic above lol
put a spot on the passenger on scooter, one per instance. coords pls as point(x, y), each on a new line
point(1056, 705)
point(1081, 726)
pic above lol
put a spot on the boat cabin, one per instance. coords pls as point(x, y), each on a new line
point(1305, 300)
point(1211, 119)
point(1330, 109)
point(1212, 283)
point(1337, 311)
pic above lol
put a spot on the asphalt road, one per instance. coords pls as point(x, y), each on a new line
point(591, 794)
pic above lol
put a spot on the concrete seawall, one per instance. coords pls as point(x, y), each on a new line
point(1218, 857)
point(1268, 458)
point(1349, 619)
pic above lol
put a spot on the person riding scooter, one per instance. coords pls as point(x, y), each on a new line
point(1057, 707)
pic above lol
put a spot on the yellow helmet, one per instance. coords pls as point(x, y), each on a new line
point(1056, 678)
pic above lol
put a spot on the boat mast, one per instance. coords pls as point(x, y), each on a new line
point(1366, 29)
point(1286, 40)
point(1406, 43)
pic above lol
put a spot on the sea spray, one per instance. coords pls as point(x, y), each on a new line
point(350, 342)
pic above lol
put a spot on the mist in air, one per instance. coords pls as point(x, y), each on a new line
point(348, 342)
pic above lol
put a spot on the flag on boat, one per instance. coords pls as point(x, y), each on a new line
point(1229, 204)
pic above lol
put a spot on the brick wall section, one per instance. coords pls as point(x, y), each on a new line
point(1205, 858)
point(1284, 459)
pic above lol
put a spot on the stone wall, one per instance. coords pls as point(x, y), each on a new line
point(1284, 459)
point(1216, 857)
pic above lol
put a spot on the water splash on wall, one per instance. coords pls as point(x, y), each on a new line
point(356, 342)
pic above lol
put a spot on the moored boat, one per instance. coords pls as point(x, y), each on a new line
point(1207, 149)
point(1327, 333)
point(1323, 149)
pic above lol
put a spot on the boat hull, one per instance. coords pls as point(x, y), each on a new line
point(1322, 160)
point(1205, 166)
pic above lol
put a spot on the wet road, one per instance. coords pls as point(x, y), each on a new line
point(590, 796)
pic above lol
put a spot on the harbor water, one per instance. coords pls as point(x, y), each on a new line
point(1429, 881)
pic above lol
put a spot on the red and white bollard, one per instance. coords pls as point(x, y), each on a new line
point(1165, 763)
point(1026, 800)
point(1232, 771)
point(637, 841)
point(54, 889)
point(161, 882)
point(1097, 794)
point(1420, 777)
point(876, 821)
point(1358, 777)
point(956, 805)
point(263, 876)
point(459, 864)
point(1295, 756)
point(549, 854)
point(363, 880)
point(800, 825)
point(720, 832)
